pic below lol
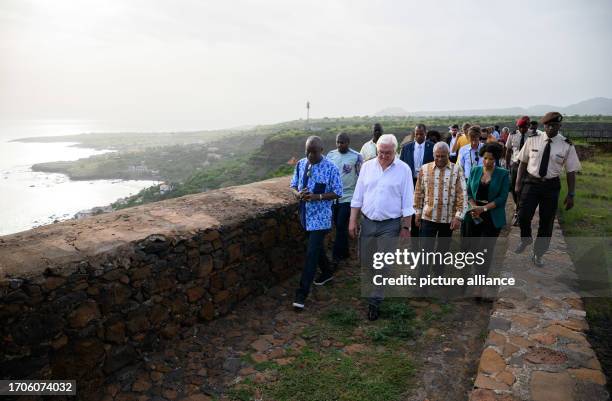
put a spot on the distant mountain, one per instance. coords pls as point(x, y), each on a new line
point(594, 106)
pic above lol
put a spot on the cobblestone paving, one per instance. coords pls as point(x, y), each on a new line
point(536, 349)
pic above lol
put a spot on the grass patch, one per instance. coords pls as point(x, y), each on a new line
point(397, 321)
point(343, 317)
point(335, 376)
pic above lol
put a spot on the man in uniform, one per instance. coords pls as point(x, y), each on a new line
point(541, 160)
point(514, 145)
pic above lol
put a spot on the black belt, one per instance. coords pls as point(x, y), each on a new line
point(380, 221)
point(534, 178)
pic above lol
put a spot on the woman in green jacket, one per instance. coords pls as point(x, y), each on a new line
point(487, 191)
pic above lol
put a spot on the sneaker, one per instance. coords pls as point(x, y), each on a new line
point(521, 247)
point(323, 278)
point(537, 260)
point(373, 312)
point(298, 303)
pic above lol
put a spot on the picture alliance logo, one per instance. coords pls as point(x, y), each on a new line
point(409, 259)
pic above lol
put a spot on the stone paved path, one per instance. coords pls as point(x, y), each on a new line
point(536, 348)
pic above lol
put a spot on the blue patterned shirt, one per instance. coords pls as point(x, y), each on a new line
point(318, 213)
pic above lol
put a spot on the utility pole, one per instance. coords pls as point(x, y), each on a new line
point(308, 115)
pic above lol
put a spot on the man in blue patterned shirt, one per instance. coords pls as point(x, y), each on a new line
point(316, 183)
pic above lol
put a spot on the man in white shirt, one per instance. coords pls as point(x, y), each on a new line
point(453, 130)
point(368, 150)
point(384, 195)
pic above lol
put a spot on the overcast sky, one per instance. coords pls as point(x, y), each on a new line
point(229, 63)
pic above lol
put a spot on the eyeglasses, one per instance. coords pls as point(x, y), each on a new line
point(309, 171)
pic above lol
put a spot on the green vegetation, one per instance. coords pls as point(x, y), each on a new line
point(588, 229)
point(315, 376)
point(325, 369)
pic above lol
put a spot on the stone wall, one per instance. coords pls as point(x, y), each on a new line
point(82, 299)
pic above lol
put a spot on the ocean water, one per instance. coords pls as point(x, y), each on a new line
point(29, 199)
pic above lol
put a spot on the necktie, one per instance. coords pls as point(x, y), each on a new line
point(544, 161)
point(522, 141)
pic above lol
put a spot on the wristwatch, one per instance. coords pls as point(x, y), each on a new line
point(571, 194)
point(484, 209)
point(320, 196)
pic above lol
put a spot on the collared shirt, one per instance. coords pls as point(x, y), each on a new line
point(368, 150)
point(495, 133)
point(469, 158)
point(418, 153)
point(514, 142)
point(318, 213)
point(384, 194)
point(461, 141)
point(348, 164)
point(440, 193)
point(562, 154)
point(452, 143)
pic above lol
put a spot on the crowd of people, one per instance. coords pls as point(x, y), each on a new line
point(430, 187)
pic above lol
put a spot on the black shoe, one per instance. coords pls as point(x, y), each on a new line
point(537, 260)
point(373, 312)
point(298, 303)
point(521, 246)
point(323, 278)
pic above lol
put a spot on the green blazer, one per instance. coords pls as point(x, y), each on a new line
point(498, 192)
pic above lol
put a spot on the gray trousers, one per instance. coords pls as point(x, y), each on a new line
point(370, 230)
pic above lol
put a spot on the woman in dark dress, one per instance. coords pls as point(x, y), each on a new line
point(487, 192)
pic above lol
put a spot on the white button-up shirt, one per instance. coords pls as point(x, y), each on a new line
point(562, 154)
point(387, 194)
point(368, 150)
point(419, 149)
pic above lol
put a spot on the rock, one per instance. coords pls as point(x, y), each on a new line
point(521, 341)
point(483, 395)
point(573, 324)
point(547, 386)
point(544, 338)
point(232, 365)
point(141, 385)
point(491, 362)
point(247, 371)
point(506, 377)
point(284, 361)
point(260, 345)
point(498, 323)
point(194, 293)
point(551, 303)
point(561, 331)
point(483, 381)
point(205, 267)
point(53, 282)
point(259, 357)
point(170, 394)
point(355, 348)
point(208, 311)
point(545, 356)
point(326, 343)
point(84, 314)
point(115, 332)
point(509, 349)
point(276, 353)
point(496, 339)
point(591, 375)
point(525, 321)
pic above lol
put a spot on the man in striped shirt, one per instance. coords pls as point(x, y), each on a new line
point(440, 199)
